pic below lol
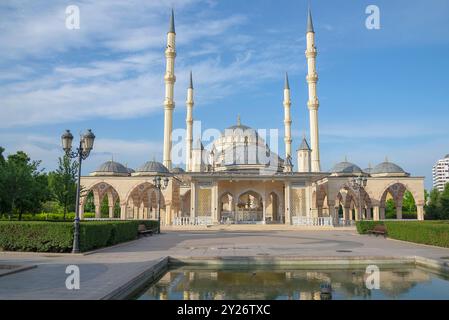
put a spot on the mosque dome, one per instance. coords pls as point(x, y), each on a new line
point(151, 168)
point(241, 148)
point(178, 170)
point(388, 169)
point(111, 168)
point(346, 168)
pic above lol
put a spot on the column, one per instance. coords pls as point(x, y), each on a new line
point(214, 204)
point(347, 213)
point(288, 211)
point(264, 211)
point(193, 198)
point(97, 211)
point(81, 211)
point(123, 211)
point(111, 212)
point(376, 213)
point(420, 212)
point(398, 212)
point(333, 213)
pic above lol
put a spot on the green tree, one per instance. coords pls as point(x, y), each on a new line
point(390, 209)
point(444, 203)
point(433, 206)
point(23, 187)
point(62, 183)
point(408, 203)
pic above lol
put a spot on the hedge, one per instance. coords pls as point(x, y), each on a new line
point(434, 233)
point(40, 236)
point(36, 236)
point(45, 217)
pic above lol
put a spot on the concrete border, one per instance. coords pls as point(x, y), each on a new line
point(19, 268)
point(139, 282)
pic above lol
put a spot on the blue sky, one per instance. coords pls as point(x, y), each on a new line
point(383, 93)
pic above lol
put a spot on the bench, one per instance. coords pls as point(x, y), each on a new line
point(378, 229)
point(143, 231)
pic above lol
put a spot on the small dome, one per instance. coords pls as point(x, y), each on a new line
point(152, 167)
point(112, 166)
point(178, 170)
point(368, 170)
point(388, 168)
point(130, 170)
point(346, 168)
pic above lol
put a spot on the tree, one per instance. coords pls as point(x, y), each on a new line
point(433, 206)
point(408, 203)
point(22, 186)
point(444, 203)
point(62, 183)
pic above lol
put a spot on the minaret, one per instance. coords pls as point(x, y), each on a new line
point(170, 79)
point(287, 119)
point(189, 125)
point(304, 156)
point(313, 103)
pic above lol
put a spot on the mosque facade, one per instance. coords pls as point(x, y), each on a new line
point(240, 180)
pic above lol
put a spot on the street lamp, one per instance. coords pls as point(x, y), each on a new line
point(357, 184)
point(159, 184)
point(82, 152)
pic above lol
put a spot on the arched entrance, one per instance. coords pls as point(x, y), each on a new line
point(102, 200)
point(142, 203)
point(226, 206)
point(249, 208)
point(397, 202)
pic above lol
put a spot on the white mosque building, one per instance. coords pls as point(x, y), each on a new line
point(240, 180)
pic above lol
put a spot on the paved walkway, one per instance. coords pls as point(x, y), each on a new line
point(105, 270)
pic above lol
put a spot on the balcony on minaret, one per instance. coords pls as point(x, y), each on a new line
point(312, 78)
point(311, 53)
point(169, 77)
point(313, 104)
point(169, 104)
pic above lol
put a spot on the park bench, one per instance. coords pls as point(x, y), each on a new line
point(143, 231)
point(378, 230)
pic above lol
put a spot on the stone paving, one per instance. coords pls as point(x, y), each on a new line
point(107, 269)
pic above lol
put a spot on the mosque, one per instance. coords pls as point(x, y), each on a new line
point(240, 180)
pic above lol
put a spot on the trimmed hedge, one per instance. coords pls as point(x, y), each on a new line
point(40, 236)
point(434, 233)
point(36, 236)
point(45, 217)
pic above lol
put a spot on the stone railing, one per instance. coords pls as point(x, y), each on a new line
point(313, 221)
point(196, 221)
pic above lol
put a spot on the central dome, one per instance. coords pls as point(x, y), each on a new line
point(241, 148)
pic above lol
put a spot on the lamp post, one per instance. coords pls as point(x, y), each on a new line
point(357, 184)
point(82, 152)
point(159, 185)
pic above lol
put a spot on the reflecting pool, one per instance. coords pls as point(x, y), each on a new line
point(199, 283)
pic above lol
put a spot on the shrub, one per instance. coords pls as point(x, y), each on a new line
point(364, 226)
point(36, 236)
point(46, 236)
point(436, 234)
point(425, 232)
point(45, 217)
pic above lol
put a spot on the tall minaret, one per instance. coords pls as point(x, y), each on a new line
point(287, 119)
point(313, 103)
point(189, 125)
point(170, 79)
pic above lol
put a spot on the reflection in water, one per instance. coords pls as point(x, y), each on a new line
point(187, 283)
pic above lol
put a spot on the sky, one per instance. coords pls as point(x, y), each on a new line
point(383, 93)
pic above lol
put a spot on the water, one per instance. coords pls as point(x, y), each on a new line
point(197, 283)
